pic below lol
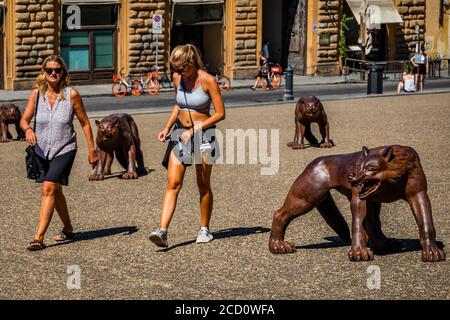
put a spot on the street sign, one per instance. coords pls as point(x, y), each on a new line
point(157, 24)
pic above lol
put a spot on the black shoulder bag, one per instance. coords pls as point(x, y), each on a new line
point(31, 163)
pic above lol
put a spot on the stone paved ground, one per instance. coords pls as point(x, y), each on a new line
point(113, 219)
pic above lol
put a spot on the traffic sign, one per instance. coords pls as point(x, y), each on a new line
point(157, 24)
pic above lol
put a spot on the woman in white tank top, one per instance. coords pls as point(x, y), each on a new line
point(195, 91)
point(408, 82)
point(55, 142)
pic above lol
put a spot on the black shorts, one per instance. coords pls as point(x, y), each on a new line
point(58, 169)
point(421, 69)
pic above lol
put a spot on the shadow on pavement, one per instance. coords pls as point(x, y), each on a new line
point(333, 242)
point(226, 233)
point(119, 174)
point(90, 235)
point(408, 245)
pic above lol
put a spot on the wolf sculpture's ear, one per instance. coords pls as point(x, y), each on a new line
point(365, 151)
point(97, 123)
point(387, 153)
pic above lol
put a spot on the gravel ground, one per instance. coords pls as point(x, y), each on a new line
point(113, 218)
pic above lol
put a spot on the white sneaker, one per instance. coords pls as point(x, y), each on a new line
point(204, 236)
point(159, 238)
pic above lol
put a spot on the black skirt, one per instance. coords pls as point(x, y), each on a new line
point(191, 152)
point(58, 169)
point(422, 69)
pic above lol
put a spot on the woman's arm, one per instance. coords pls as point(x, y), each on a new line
point(27, 116)
point(413, 62)
point(80, 112)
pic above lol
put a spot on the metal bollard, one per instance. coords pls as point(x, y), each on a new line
point(288, 90)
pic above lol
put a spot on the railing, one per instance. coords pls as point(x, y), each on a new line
point(395, 68)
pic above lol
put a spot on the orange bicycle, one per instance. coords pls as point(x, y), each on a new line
point(151, 84)
point(123, 84)
point(273, 77)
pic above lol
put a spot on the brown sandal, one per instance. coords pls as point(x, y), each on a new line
point(36, 245)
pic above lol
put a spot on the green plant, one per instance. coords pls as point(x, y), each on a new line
point(408, 65)
point(342, 44)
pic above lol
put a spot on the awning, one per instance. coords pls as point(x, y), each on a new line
point(197, 1)
point(90, 1)
point(381, 11)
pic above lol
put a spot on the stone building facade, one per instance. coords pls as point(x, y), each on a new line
point(118, 34)
point(400, 39)
point(227, 32)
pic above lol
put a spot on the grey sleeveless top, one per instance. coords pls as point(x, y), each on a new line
point(196, 100)
point(54, 126)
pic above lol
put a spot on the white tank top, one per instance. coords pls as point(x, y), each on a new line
point(410, 86)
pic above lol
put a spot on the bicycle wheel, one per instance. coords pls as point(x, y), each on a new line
point(119, 89)
point(153, 87)
point(136, 88)
point(276, 80)
point(224, 83)
point(263, 82)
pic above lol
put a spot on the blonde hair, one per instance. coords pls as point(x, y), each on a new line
point(41, 80)
point(184, 54)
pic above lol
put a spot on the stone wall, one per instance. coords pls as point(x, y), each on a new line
point(329, 25)
point(142, 42)
point(35, 35)
point(413, 13)
point(245, 35)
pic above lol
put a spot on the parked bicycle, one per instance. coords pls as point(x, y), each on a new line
point(163, 78)
point(123, 84)
point(222, 80)
point(273, 76)
point(151, 84)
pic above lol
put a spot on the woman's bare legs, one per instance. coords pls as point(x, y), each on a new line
point(52, 197)
point(256, 83)
point(63, 211)
point(175, 176)
point(203, 173)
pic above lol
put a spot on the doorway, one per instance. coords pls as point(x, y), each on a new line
point(294, 30)
point(272, 29)
point(202, 26)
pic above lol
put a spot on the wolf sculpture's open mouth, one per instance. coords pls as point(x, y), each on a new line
point(367, 187)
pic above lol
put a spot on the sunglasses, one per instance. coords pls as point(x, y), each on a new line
point(50, 70)
point(180, 70)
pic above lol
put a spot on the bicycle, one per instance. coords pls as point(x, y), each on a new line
point(123, 84)
point(273, 76)
point(151, 84)
point(222, 80)
point(163, 79)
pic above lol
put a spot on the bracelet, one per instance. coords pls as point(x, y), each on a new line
point(28, 128)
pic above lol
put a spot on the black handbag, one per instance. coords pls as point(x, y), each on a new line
point(31, 161)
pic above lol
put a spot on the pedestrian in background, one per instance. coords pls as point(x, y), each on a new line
point(420, 61)
point(265, 49)
point(263, 72)
point(55, 142)
point(408, 82)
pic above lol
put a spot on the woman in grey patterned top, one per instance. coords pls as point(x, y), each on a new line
point(55, 142)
